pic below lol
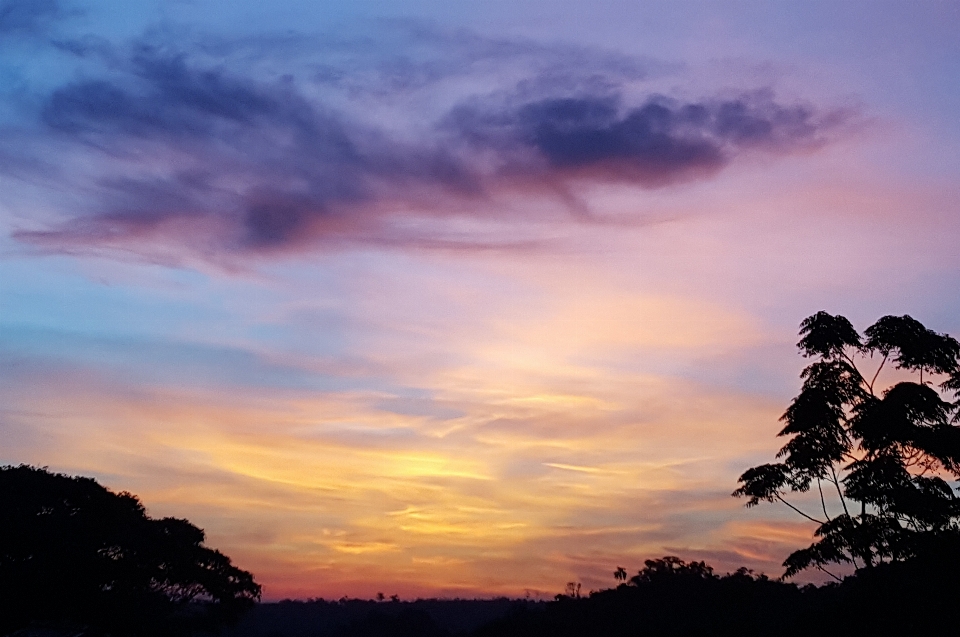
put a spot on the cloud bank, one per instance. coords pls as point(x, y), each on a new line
point(212, 149)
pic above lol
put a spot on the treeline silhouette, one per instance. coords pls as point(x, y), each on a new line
point(361, 618)
point(668, 597)
point(672, 598)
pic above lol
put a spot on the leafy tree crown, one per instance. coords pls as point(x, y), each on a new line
point(887, 455)
point(72, 551)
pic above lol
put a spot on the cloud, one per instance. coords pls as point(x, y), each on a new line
point(260, 161)
point(27, 16)
point(656, 143)
point(301, 480)
point(191, 151)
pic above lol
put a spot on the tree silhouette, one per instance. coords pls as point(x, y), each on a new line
point(671, 568)
point(883, 454)
point(74, 553)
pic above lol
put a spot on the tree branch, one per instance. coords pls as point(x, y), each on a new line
point(829, 573)
point(836, 483)
point(822, 501)
point(812, 519)
point(872, 381)
point(854, 366)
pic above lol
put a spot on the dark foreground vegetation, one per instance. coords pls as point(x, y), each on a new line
point(358, 617)
point(672, 598)
point(79, 558)
point(667, 598)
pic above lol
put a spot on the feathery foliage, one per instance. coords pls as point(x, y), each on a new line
point(884, 456)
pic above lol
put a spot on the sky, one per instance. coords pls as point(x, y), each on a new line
point(457, 299)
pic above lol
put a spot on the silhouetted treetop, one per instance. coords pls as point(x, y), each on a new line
point(671, 567)
point(72, 551)
point(913, 345)
point(890, 452)
point(827, 336)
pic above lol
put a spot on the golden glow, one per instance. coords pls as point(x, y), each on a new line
point(534, 437)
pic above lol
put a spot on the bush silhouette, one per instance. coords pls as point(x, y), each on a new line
point(73, 553)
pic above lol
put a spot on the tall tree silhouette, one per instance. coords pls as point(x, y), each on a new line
point(885, 456)
point(74, 553)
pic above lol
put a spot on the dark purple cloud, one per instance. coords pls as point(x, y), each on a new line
point(259, 156)
point(200, 152)
point(656, 143)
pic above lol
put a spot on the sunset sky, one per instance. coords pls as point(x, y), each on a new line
point(457, 298)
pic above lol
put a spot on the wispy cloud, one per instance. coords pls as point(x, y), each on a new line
point(295, 495)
